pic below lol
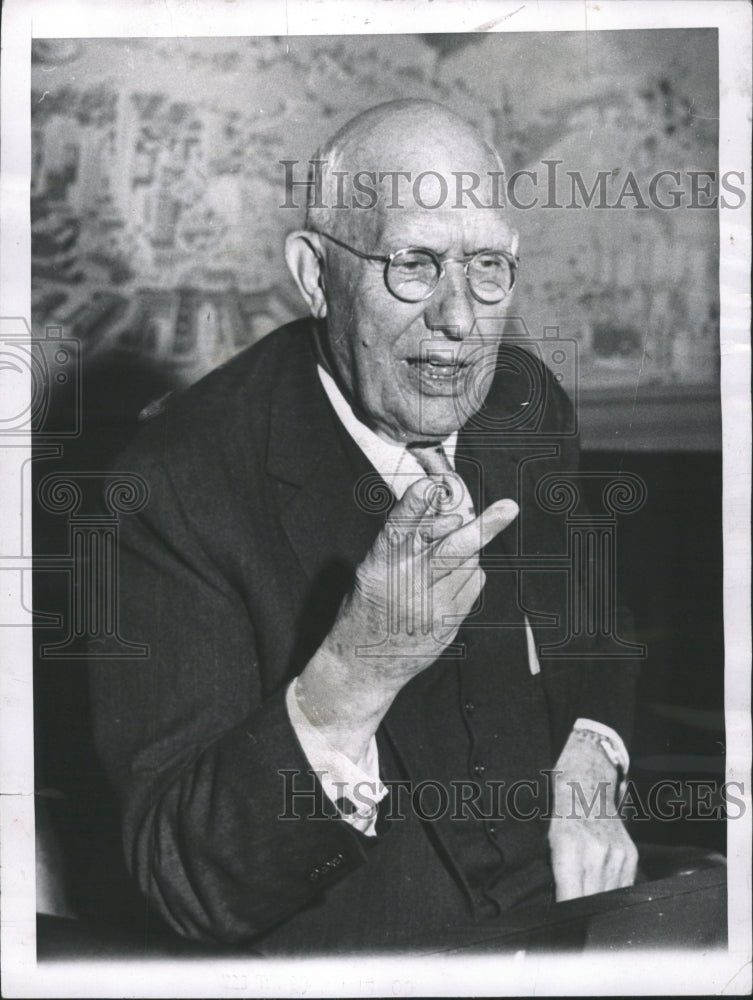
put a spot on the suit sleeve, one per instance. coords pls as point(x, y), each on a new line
point(226, 829)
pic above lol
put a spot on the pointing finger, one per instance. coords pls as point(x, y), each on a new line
point(472, 537)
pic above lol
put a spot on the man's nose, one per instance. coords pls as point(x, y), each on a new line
point(450, 308)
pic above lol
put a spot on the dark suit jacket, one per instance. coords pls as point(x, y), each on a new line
point(232, 575)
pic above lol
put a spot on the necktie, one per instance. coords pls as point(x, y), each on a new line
point(434, 461)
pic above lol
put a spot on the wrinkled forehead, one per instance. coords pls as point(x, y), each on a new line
point(436, 206)
point(466, 228)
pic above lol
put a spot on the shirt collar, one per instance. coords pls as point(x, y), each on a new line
point(392, 460)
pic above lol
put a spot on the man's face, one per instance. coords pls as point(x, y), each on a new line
point(415, 370)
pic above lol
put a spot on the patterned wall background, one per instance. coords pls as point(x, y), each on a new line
point(156, 191)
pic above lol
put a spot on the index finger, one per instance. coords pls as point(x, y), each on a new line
point(469, 539)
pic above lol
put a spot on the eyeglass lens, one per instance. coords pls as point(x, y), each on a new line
point(413, 275)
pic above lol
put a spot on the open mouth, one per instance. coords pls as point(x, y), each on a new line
point(439, 367)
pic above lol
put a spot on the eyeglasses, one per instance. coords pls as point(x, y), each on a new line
point(413, 273)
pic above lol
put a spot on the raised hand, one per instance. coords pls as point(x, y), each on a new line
point(412, 591)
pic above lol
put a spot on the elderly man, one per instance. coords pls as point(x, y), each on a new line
point(323, 576)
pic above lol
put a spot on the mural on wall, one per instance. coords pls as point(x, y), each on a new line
point(156, 186)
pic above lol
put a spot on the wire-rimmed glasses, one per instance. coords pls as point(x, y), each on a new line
point(413, 273)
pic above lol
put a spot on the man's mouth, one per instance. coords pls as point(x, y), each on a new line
point(437, 367)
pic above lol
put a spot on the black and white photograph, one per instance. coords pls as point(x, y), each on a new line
point(375, 439)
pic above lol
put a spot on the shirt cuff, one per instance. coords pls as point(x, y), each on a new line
point(354, 789)
point(611, 742)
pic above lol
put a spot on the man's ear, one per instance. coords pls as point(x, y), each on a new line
point(305, 261)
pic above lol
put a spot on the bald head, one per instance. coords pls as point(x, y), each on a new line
point(407, 260)
point(402, 154)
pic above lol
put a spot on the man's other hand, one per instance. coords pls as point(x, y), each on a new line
point(412, 591)
point(590, 848)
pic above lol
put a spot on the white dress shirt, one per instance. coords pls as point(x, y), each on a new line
point(358, 783)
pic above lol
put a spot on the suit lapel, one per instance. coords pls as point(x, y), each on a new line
point(318, 468)
point(324, 510)
point(488, 459)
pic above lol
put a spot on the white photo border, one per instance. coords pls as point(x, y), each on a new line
point(613, 974)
